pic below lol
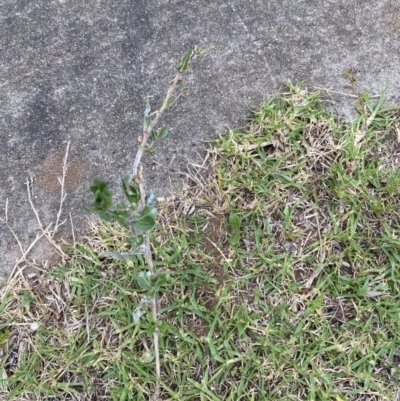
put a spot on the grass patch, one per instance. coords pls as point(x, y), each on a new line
point(284, 281)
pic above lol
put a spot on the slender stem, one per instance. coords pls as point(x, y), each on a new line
point(154, 312)
point(157, 357)
point(147, 132)
point(62, 183)
point(137, 176)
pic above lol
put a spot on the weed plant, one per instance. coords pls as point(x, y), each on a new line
point(281, 261)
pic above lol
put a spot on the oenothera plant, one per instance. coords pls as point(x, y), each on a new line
point(138, 215)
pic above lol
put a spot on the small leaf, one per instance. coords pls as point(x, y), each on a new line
point(137, 314)
point(136, 240)
point(161, 280)
point(163, 133)
point(184, 64)
point(151, 328)
point(119, 207)
point(144, 280)
point(147, 119)
point(124, 255)
point(233, 229)
point(4, 335)
point(373, 293)
point(378, 106)
point(172, 100)
point(234, 222)
point(146, 220)
point(131, 190)
point(162, 327)
point(139, 240)
point(198, 50)
point(27, 298)
point(105, 215)
point(121, 216)
point(153, 134)
point(102, 196)
point(151, 198)
point(147, 109)
point(146, 357)
point(146, 123)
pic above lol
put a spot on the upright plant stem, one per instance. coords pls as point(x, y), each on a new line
point(154, 312)
point(147, 132)
point(137, 177)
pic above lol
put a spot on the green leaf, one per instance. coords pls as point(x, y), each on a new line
point(163, 327)
point(119, 206)
point(378, 106)
point(147, 109)
point(153, 134)
point(233, 229)
point(131, 190)
point(234, 222)
point(146, 220)
point(135, 240)
point(102, 197)
point(125, 255)
point(172, 100)
point(139, 240)
point(184, 64)
point(147, 119)
point(151, 328)
point(151, 198)
point(163, 133)
point(4, 335)
point(137, 314)
point(27, 298)
point(146, 357)
point(161, 279)
point(146, 123)
point(157, 135)
point(198, 50)
point(122, 217)
point(144, 280)
point(106, 216)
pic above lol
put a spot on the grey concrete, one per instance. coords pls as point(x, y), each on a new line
point(79, 70)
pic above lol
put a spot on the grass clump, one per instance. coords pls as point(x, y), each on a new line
point(281, 258)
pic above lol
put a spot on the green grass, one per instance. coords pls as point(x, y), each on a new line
point(284, 278)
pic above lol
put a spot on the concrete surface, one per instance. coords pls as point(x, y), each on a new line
point(80, 70)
